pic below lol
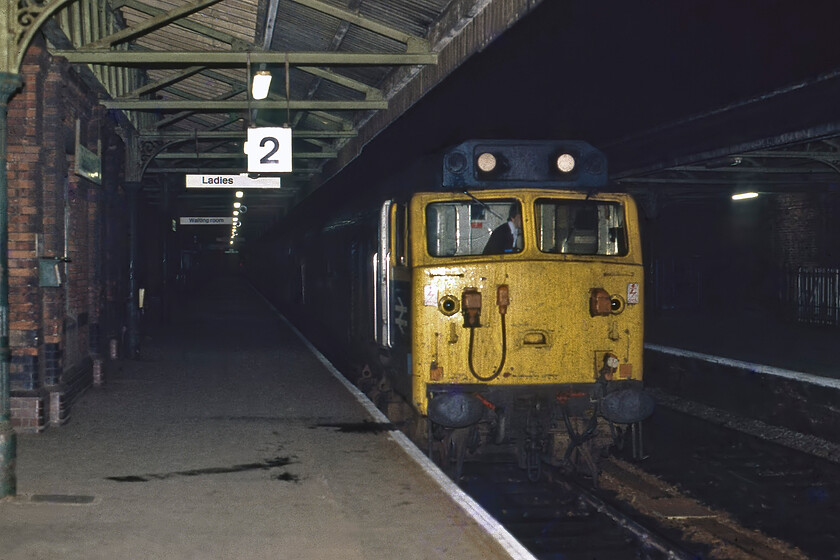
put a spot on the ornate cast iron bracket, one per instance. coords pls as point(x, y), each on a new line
point(24, 18)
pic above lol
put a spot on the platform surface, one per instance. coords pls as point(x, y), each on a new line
point(228, 439)
point(749, 336)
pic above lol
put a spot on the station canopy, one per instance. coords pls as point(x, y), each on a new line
point(178, 74)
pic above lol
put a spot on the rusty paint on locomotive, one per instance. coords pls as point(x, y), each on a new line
point(552, 336)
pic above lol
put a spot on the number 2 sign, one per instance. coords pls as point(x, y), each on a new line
point(269, 150)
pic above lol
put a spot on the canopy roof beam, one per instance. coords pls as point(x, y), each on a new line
point(205, 30)
point(239, 155)
point(240, 58)
point(159, 84)
point(150, 24)
point(413, 44)
point(240, 134)
point(209, 106)
point(371, 93)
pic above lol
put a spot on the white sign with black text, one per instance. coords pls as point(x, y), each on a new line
point(206, 221)
point(269, 150)
point(231, 182)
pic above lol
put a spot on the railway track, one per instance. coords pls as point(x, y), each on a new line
point(562, 518)
point(632, 515)
point(705, 491)
point(782, 485)
point(713, 486)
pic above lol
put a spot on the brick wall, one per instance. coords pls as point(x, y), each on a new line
point(55, 332)
point(798, 229)
point(717, 254)
point(26, 218)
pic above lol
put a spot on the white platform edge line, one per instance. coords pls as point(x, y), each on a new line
point(758, 368)
point(486, 521)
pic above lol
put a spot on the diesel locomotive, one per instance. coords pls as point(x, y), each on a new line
point(531, 344)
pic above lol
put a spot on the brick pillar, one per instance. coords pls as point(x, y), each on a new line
point(133, 189)
point(798, 228)
point(9, 83)
point(25, 215)
point(57, 143)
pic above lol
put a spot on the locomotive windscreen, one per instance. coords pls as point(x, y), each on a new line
point(460, 228)
point(581, 227)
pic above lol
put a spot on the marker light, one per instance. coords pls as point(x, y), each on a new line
point(235, 213)
point(455, 162)
point(262, 81)
point(239, 194)
point(487, 162)
point(237, 204)
point(744, 196)
point(565, 162)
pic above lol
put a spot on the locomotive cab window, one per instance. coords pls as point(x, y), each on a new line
point(463, 228)
point(581, 227)
point(400, 239)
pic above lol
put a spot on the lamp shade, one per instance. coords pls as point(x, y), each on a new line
point(262, 81)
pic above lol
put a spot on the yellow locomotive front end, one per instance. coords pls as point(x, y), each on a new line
point(561, 309)
point(518, 305)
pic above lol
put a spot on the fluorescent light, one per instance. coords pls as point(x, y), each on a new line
point(744, 196)
point(262, 81)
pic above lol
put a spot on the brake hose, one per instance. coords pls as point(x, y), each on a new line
point(504, 354)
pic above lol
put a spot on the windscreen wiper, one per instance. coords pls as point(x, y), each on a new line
point(484, 204)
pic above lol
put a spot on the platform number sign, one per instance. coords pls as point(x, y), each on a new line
point(269, 150)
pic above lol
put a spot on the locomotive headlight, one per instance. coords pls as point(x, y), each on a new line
point(486, 162)
point(449, 305)
point(601, 303)
point(565, 163)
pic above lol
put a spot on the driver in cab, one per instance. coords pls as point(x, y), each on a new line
point(507, 238)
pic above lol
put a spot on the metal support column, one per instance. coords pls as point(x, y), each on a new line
point(9, 83)
point(133, 190)
point(167, 232)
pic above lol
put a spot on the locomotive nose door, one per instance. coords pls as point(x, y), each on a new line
point(391, 278)
point(383, 315)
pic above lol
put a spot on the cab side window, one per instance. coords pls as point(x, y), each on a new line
point(400, 235)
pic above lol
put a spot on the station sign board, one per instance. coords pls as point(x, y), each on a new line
point(88, 164)
point(231, 182)
point(269, 149)
point(207, 221)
